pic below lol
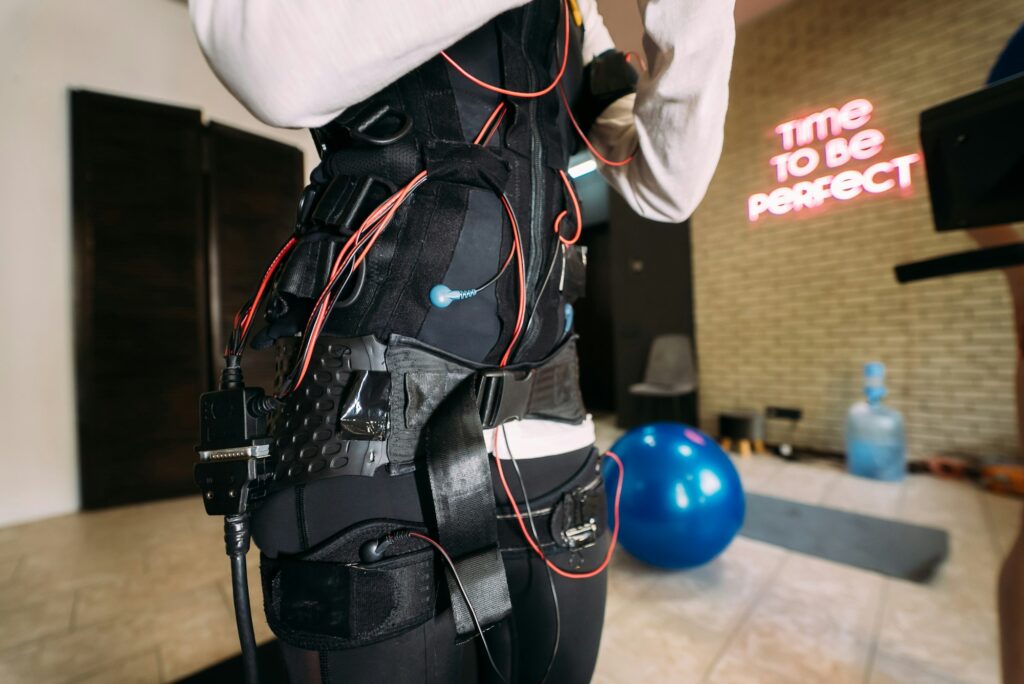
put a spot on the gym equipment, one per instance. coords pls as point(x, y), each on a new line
point(792, 418)
point(892, 548)
point(743, 429)
point(682, 502)
point(1000, 478)
point(973, 152)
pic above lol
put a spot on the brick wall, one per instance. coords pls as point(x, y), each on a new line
point(789, 308)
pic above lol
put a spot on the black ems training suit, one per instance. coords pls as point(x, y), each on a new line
point(385, 400)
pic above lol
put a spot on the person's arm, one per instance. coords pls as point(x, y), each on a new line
point(676, 120)
point(300, 63)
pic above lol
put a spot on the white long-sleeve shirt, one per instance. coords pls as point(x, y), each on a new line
point(300, 63)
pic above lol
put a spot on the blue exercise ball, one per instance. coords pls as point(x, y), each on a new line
point(682, 502)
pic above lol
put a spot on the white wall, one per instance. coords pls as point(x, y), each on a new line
point(136, 48)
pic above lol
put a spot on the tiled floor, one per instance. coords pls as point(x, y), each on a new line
point(141, 594)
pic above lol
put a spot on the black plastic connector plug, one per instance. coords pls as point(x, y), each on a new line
point(234, 450)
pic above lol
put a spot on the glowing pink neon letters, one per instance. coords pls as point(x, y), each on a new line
point(798, 160)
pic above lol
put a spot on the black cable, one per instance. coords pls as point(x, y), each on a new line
point(236, 542)
point(494, 278)
point(551, 575)
point(465, 595)
point(543, 286)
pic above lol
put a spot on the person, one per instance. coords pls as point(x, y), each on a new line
point(1011, 589)
point(423, 314)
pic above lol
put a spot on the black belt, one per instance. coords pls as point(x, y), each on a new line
point(365, 405)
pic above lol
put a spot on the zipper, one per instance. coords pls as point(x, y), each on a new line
point(535, 266)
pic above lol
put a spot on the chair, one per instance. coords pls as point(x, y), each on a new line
point(671, 372)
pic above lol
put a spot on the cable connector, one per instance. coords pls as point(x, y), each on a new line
point(373, 550)
point(234, 450)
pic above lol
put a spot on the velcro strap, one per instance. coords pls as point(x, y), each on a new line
point(327, 600)
point(464, 508)
point(466, 164)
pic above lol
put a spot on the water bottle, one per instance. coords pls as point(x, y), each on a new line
point(876, 444)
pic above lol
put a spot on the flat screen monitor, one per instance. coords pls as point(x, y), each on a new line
point(974, 155)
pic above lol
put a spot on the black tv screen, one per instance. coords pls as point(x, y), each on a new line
point(974, 155)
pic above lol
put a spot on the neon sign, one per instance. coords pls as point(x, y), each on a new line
point(846, 140)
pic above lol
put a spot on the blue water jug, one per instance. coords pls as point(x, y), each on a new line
point(876, 444)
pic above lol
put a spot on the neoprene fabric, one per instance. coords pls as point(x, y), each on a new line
point(893, 548)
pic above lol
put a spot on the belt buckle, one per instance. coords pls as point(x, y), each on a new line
point(502, 396)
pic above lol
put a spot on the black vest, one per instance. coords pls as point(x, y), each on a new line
point(453, 229)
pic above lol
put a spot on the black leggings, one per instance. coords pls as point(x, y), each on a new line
point(298, 518)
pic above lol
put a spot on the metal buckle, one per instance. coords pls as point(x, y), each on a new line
point(582, 536)
point(502, 396)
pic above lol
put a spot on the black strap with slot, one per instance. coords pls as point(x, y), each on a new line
point(464, 507)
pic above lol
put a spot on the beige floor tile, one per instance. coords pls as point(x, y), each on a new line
point(167, 573)
point(947, 504)
point(649, 645)
point(141, 669)
point(205, 643)
point(868, 497)
point(806, 483)
point(64, 656)
point(628, 581)
point(716, 595)
point(44, 574)
point(16, 666)
point(755, 471)
point(1003, 514)
point(972, 569)
point(35, 619)
point(892, 669)
point(8, 567)
point(813, 624)
point(931, 632)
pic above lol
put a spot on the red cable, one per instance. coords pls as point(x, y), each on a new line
point(520, 268)
point(533, 544)
point(267, 276)
point(499, 109)
point(376, 222)
point(516, 93)
point(497, 125)
point(576, 211)
point(586, 141)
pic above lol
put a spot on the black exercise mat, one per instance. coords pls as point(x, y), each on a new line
point(893, 548)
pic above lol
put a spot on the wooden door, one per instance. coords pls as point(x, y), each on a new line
point(174, 224)
point(140, 311)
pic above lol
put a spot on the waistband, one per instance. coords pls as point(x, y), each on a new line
point(366, 404)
